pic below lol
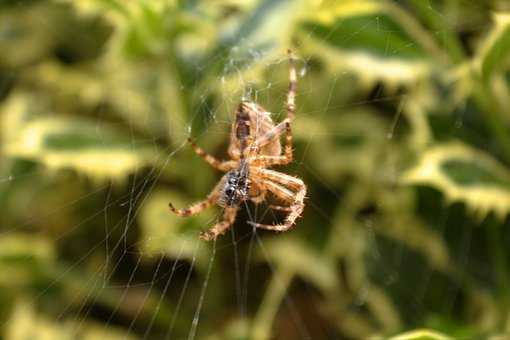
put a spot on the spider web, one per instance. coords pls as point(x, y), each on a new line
point(238, 282)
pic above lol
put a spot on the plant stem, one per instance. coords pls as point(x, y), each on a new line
point(275, 293)
point(500, 266)
point(495, 123)
point(439, 22)
point(413, 27)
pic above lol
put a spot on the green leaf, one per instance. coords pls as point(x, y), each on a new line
point(421, 334)
point(258, 37)
point(263, 29)
point(25, 323)
point(24, 38)
point(99, 151)
point(377, 35)
point(496, 46)
point(352, 142)
point(147, 96)
point(23, 257)
point(376, 40)
point(465, 175)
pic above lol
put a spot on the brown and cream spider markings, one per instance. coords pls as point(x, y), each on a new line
point(255, 146)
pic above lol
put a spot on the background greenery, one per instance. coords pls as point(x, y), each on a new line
point(402, 136)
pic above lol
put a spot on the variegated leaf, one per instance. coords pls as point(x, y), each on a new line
point(375, 40)
point(464, 174)
point(97, 150)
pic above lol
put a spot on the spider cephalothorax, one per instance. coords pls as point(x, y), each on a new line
point(255, 146)
point(235, 189)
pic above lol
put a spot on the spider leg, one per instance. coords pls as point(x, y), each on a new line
point(295, 208)
point(257, 193)
point(271, 134)
point(213, 161)
point(268, 137)
point(284, 125)
point(291, 94)
point(291, 110)
point(271, 160)
point(197, 207)
point(219, 228)
point(278, 177)
point(279, 191)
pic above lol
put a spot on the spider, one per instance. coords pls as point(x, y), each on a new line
point(255, 146)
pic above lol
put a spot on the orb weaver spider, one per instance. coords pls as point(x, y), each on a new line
point(255, 146)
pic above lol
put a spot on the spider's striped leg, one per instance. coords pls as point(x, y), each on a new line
point(296, 207)
point(291, 107)
point(193, 209)
point(270, 136)
point(291, 93)
point(219, 228)
point(277, 131)
point(197, 207)
point(213, 161)
point(279, 177)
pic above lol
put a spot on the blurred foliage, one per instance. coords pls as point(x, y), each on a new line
point(402, 136)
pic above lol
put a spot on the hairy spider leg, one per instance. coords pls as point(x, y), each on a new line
point(291, 93)
point(291, 106)
point(213, 161)
point(279, 191)
point(197, 207)
point(296, 207)
point(279, 177)
point(284, 125)
point(229, 216)
point(268, 137)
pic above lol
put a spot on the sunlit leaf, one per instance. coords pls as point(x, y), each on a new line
point(25, 323)
point(329, 11)
point(421, 334)
point(465, 175)
point(261, 37)
point(24, 38)
point(93, 331)
point(23, 257)
point(495, 48)
point(71, 86)
point(264, 28)
point(147, 96)
point(99, 151)
point(376, 40)
point(457, 329)
point(375, 35)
